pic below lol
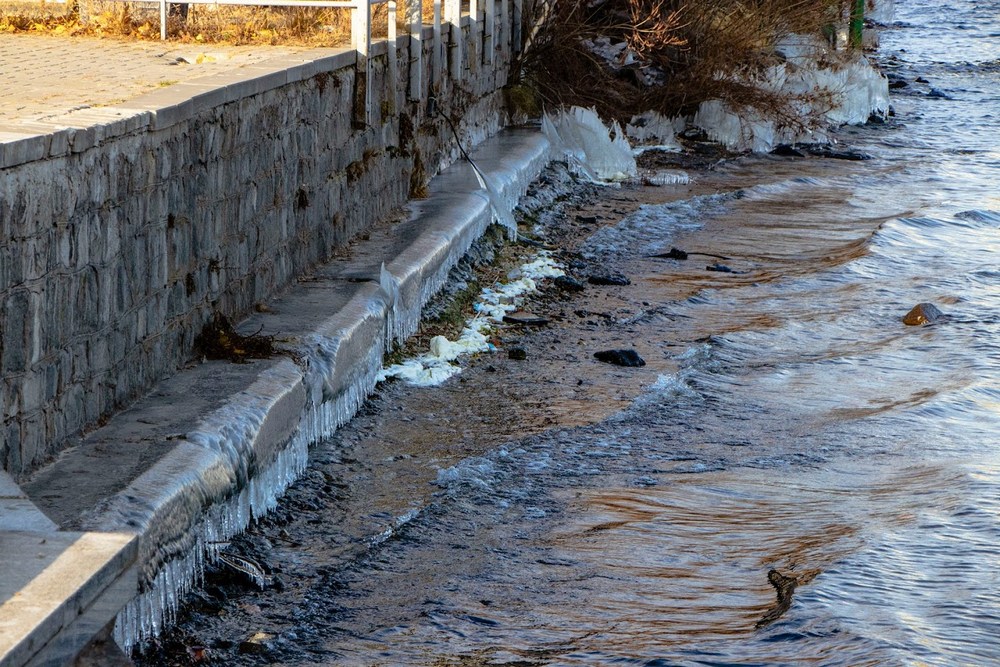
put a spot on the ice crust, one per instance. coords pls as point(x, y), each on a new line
point(858, 91)
point(436, 365)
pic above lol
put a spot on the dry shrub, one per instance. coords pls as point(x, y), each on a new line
point(673, 54)
point(228, 24)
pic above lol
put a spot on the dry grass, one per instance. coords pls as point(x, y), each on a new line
point(311, 26)
point(699, 50)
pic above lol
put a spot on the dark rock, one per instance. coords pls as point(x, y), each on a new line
point(587, 219)
point(784, 587)
point(897, 84)
point(938, 94)
point(921, 79)
point(922, 313)
point(694, 134)
point(525, 318)
point(788, 151)
point(524, 240)
point(675, 253)
point(517, 353)
point(629, 358)
point(827, 151)
point(721, 268)
point(260, 642)
point(612, 278)
point(568, 284)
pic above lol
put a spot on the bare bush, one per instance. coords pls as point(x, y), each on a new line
point(628, 56)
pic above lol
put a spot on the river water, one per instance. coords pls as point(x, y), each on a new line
point(787, 420)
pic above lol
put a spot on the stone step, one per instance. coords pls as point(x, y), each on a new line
point(191, 463)
point(58, 590)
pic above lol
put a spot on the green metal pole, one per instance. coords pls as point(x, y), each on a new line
point(857, 23)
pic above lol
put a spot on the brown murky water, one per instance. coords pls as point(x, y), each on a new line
point(561, 511)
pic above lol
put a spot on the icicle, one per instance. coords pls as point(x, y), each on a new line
point(390, 289)
point(858, 90)
point(503, 212)
point(230, 507)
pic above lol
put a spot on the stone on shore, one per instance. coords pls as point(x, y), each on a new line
point(628, 358)
point(609, 278)
point(922, 313)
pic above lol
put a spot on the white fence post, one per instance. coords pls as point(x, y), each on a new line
point(361, 41)
point(163, 19)
point(393, 56)
point(453, 15)
point(490, 39)
point(475, 34)
point(436, 59)
point(414, 15)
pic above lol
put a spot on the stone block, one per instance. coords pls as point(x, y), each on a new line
point(16, 334)
point(18, 147)
point(33, 445)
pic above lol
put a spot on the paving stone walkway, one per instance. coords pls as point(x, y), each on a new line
point(43, 76)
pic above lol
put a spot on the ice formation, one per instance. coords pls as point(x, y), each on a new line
point(503, 211)
point(656, 129)
point(858, 90)
point(435, 366)
point(578, 135)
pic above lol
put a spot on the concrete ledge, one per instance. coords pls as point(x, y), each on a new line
point(193, 462)
point(18, 146)
point(58, 591)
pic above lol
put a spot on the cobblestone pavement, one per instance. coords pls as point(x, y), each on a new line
point(43, 76)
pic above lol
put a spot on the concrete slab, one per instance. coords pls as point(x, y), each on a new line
point(17, 512)
point(109, 459)
point(58, 590)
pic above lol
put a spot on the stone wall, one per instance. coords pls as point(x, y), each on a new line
point(123, 233)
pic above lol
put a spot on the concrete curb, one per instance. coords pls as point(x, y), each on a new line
point(207, 451)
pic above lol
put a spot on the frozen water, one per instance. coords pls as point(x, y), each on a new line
point(603, 154)
point(668, 177)
point(654, 128)
point(856, 91)
point(229, 479)
point(435, 366)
